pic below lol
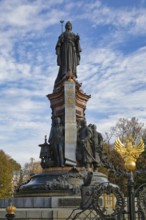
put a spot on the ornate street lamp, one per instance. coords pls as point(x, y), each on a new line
point(10, 211)
point(130, 153)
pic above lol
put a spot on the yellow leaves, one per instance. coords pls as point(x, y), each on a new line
point(6, 170)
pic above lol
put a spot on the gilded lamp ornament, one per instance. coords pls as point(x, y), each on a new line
point(128, 151)
point(10, 212)
point(11, 209)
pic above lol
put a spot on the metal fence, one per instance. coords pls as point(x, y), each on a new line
point(106, 202)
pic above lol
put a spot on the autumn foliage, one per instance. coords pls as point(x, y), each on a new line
point(7, 166)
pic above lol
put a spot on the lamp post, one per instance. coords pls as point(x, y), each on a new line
point(131, 196)
point(10, 211)
point(130, 154)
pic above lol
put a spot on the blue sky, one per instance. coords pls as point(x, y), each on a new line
point(112, 68)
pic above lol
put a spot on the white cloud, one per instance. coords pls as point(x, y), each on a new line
point(29, 14)
point(117, 86)
point(125, 19)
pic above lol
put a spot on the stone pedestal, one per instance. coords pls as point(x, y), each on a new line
point(42, 214)
point(38, 208)
point(54, 182)
point(68, 102)
point(57, 100)
point(57, 207)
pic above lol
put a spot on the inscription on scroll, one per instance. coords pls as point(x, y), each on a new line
point(70, 123)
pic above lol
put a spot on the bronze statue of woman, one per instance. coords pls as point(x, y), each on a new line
point(68, 53)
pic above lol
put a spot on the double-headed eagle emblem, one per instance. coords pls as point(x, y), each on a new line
point(128, 151)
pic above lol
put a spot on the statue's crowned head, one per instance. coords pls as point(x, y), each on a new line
point(68, 25)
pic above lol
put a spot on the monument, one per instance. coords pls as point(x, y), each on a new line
point(70, 186)
point(71, 154)
point(72, 147)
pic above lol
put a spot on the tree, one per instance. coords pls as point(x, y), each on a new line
point(141, 165)
point(121, 129)
point(7, 166)
point(33, 167)
point(15, 166)
point(125, 126)
point(29, 170)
